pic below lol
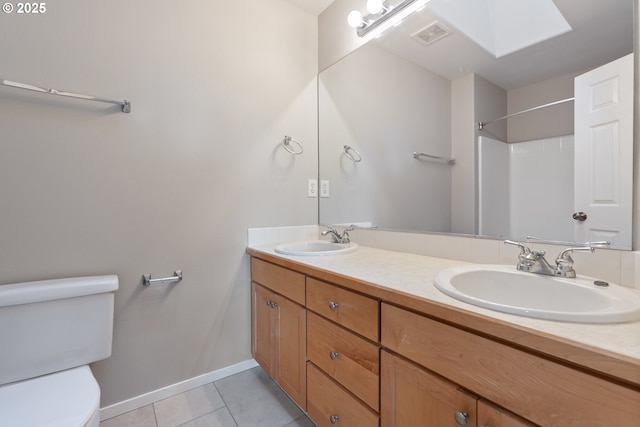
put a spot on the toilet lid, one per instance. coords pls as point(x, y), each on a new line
point(63, 399)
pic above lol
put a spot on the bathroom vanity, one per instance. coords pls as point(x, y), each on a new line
point(365, 339)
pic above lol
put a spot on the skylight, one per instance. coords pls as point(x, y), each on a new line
point(503, 26)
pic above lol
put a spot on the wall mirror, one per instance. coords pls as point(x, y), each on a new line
point(400, 147)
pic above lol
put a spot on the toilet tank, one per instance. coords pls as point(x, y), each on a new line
point(51, 325)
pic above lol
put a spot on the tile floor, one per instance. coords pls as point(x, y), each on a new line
point(246, 399)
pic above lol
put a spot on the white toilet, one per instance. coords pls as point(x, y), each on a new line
point(50, 331)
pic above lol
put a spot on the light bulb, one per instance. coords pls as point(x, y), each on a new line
point(375, 6)
point(355, 19)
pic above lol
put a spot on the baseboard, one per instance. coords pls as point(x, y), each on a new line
point(171, 390)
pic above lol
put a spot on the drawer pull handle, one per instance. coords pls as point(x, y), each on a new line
point(333, 305)
point(334, 419)
point(334, 355)
point(462, 418)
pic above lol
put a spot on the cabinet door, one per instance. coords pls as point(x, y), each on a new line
point(290, 349)
point(490, 415)
point(278, 341)
point(262, 336)
point(414, 397)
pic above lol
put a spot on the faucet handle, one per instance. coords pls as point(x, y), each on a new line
point(564, 262)
point(344, 238)
point(565, 255)
point(329, 230)
point(526, 258)
point(336, 237)
point(523, 249)
point(345, 233)
point(601, 244)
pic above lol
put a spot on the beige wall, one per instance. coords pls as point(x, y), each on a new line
point(544, 123)
point(387, 108)
point(463, 191)
point(86, 189)
point(472, 99)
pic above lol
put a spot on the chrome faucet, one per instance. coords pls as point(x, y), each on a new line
point(336, 237)
point(535, 262)
point(564, 262)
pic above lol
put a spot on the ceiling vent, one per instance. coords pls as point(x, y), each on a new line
point(431, 33)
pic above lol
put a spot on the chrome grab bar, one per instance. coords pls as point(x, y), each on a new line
point(147, 280)
point(126, 105)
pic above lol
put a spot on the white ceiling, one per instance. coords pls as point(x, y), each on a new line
point(503, 26)
point(602, 31)
point(314, 7)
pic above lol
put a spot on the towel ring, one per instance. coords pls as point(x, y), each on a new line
point(352, 153)
point(286, 144)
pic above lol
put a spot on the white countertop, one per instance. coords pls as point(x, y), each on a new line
point(414, 275)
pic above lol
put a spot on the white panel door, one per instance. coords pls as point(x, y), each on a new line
point(604, 153)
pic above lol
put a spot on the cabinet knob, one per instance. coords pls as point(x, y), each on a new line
point(462, 418)
point(334, 419)
point(333, 305)
point(269, 303)
point(333, 355)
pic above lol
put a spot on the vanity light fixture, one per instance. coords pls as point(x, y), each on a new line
point(376, 6)
point(382, 15)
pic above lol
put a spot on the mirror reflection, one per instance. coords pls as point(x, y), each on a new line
point(407, 104)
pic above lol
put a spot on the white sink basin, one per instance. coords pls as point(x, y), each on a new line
point(316, 248)
point(503, 288)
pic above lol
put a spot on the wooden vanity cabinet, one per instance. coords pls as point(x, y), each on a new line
point(537, 389)
point(373, 362)
point(279, 330)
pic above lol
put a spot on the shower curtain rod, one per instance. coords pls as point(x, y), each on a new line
point(481, 125)
point(124, 104)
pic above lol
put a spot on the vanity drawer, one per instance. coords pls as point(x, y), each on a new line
point(349, 309)
point(285, 282)
point(352, 361)
point(538, 389)
point(328, 404)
